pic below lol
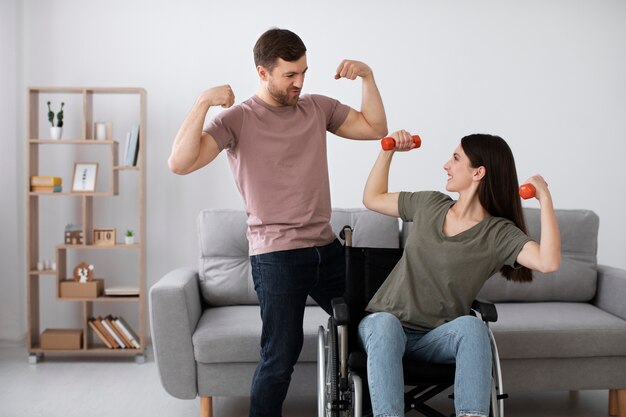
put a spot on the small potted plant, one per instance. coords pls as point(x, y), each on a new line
point(130, 237)
point(56, 131)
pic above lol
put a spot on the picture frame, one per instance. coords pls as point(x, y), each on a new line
point(85, 176)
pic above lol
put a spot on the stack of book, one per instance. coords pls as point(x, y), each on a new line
point(131, 147)
point(42, 184)
point(114, 332)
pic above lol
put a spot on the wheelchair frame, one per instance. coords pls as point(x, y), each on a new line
point(341, 391)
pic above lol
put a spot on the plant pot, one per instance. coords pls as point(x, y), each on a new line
point(56, 132)
point(129, 240)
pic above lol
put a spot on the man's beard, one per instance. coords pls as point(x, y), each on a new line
point(282, 97)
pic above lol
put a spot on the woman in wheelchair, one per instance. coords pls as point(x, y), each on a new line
point(454, 246)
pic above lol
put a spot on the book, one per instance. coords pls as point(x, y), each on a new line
point(97, 331)
point(128, 332)
point(46, 188)
point(113, 321)
point(133, 146)
point(45, 181)
point(108, 326)
point(111, 342)
point(103, 328)
point(121, 291)
point(125, 151)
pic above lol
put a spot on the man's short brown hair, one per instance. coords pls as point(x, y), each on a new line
point(277, 43)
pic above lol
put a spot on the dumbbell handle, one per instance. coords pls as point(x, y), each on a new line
point(389, 143)
point(527, 191)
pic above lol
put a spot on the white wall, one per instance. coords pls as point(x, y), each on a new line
point(12, 296)
point(548, 76)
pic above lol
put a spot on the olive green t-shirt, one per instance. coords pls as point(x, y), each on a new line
point(439, 276)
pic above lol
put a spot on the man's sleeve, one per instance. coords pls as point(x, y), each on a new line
point(336, 112)
point(226, 127)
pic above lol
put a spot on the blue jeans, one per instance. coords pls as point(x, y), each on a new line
point(464, 341)
point(282, 281)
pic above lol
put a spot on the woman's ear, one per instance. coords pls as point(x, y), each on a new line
point(479, 173)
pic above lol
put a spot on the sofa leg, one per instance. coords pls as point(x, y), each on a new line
point(613, 402)
point(617, 402)
point(206, 406)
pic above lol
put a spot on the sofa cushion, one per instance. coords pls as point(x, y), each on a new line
point(224, 268)
point(557, 330)
point(370, 229)
point(233, 334)
point(576, 279)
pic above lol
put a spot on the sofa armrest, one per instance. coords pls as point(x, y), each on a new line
point(486, 309)
point(175, 308)
point(611, 291)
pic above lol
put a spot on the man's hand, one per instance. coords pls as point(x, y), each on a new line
point(218, 96)
point(351, 69)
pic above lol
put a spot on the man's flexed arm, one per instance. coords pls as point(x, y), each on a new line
point(193, 148)
point(371, 121)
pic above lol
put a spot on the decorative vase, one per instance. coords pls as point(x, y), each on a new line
point(56, 132)
point(129, 239)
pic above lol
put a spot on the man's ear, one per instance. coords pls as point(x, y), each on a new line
point(479, 173)
point(263, 72)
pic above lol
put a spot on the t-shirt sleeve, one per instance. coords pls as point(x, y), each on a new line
point(335, 111)
point(410, 203)
point(510, 241)
point(225, 127)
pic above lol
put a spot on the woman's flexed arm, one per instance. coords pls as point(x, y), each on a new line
point(376, 195)
point(544, 256)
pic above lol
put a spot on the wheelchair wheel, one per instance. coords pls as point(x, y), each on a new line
point(328, 371)
point(356, 390)
point(332, 370)
point(321, 371)
point(497, 392)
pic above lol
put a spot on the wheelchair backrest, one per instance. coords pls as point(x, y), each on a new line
point(366, 270)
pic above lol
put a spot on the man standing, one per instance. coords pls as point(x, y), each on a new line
point(276, 145)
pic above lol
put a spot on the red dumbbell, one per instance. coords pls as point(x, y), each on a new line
point(389, 143)
point(527, 191)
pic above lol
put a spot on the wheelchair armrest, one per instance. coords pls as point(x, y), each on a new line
point(340, 311)
point(486, 309)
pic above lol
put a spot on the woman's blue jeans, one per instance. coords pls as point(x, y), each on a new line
point(464, 341)
point(282, 281)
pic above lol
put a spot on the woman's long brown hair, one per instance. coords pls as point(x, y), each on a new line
point(498, 190)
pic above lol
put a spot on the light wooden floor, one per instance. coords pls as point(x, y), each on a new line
point(60, 387)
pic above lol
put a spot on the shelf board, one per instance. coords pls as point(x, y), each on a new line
point(71, 142)
point(98, 247)
point(44, 272)
point(82, 90)
point(105, 299)
point(96, 350)
point(105, 194)
point(126, 168)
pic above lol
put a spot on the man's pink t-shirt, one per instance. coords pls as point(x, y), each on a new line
point(278, 158)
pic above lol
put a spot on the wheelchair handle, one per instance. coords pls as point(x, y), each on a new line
point(346, 235)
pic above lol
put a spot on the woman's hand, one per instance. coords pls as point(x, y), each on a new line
point(404, 141)
point(541, 187)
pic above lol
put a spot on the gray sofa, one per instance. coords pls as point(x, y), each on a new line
point(563, 331)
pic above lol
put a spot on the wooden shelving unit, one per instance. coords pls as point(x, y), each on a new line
point(36, 139)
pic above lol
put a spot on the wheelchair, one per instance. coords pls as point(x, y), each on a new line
point(341, 364)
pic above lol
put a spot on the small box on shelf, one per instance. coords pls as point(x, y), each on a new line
point(89, 289)
point(62, 339)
